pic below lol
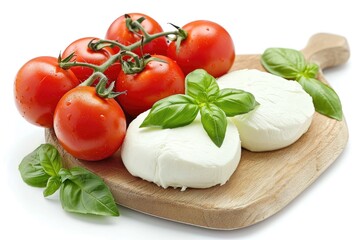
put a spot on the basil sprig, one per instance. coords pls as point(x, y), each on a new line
point(291, 64)
point(81, 191)
point(202, 94)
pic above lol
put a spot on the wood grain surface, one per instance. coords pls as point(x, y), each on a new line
point(263, 183)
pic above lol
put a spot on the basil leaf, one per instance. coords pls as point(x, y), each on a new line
point(201, 86)
point(84, 192)
point(53, 184)
point(214, 122)
point(234, 101)
point(173, 111)
point(50, 159)
point(64, 174)
point(31, 170)
point(284, 62)
point(325, 99)
point(311, 70)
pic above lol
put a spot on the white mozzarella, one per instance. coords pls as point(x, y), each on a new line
point(284, 115)
point(180, 157)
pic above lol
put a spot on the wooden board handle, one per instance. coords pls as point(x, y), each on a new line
point(327, 50)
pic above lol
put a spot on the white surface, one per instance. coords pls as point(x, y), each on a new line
point(180, 157)
point(329, 209)
point(283, 116)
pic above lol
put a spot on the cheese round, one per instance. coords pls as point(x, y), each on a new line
point(283, 116)
point(180, 157)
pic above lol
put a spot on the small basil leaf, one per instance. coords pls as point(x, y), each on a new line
point(311, 70)
point(325, 99)
point(234, 101)
point(53, 184)
point(214, 122)
point(173, 111)
point(64, 174)
point(50, 159)
point(201, 86)
point(284, 62)
point(31, 170)
point(84, 192)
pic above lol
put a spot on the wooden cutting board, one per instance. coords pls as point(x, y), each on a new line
point(263, 183)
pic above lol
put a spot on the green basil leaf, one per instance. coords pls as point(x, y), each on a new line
point(311, 70)
point(50, 159)
point(234, 101)
point(284, 62)
point(201, 86)
point(214, 122)
point(31, 170)
point(84, 192)
point(64, 174)
point(53, 184)
point(325, 99)
point(173, 111)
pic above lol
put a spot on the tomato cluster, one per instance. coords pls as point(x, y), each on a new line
point(74, 93)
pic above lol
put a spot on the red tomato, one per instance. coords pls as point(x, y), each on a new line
point(158, 80)
point(38, 87)
point(87, 126)
point(208, 46)
point(119, 32)
point(85, 54)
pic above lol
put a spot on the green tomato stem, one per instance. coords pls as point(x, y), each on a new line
point(93, 77)
point(67, 65)
point(102, 68)
point(148, 38)
point(141, 28)
point(103, 43)
point(98, 45)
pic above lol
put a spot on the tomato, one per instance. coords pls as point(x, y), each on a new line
point(85, 54)
point(38, 86)
point(87, 126)
point(119, 32)
point(158, 80)
point(208, 46)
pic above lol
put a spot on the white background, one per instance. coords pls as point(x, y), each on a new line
point(327, 209)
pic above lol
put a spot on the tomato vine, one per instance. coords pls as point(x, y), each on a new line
point(130, 61)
